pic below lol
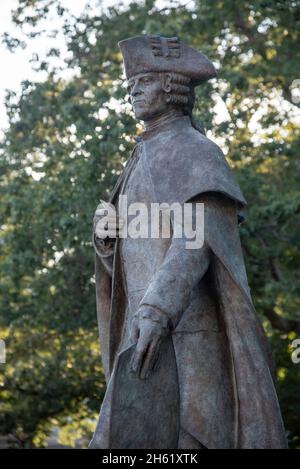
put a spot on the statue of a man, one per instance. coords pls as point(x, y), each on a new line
point(186, 360)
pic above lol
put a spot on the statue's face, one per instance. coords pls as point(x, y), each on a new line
point(147, 95)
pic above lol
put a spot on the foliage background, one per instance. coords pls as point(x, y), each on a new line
point(66, 141)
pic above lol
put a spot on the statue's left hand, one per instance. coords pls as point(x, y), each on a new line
point(148, 329)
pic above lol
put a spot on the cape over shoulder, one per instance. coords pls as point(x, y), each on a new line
point(184, 163)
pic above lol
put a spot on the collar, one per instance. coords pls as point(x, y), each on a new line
point(164, 124)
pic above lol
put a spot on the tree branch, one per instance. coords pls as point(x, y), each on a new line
point(281, 323)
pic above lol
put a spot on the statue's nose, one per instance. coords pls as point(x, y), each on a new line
point(136, 89)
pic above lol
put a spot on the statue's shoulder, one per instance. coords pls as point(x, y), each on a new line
point(184, 163)
point(193, 144)
point(184, 145)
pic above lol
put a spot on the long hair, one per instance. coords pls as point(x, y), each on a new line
point(181, 93)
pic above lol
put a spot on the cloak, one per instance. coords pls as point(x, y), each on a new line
point(183, 164)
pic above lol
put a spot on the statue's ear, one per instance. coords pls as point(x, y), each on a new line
point(166, 82)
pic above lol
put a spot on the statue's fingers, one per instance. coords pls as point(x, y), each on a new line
point(138, 355)
point(135, 332)
point(137, 361)
point(155, 361)
point(150, 358)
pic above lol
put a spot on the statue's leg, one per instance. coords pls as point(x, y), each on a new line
point(187, 441)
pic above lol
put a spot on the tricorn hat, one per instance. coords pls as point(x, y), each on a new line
point(143, 54)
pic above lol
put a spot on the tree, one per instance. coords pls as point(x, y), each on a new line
point(63, 150)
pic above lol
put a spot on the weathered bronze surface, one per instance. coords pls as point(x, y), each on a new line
point(186, 360)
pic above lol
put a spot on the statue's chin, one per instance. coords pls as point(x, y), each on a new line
point(140, 114)
point(148, 112)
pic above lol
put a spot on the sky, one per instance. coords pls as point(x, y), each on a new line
point(16, 67)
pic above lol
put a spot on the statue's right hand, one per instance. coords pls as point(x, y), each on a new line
point(149, 326)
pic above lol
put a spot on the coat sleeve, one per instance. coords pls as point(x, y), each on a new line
point(171, 286)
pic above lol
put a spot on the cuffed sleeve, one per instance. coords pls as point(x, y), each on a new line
point(105, 251)
point(155, 314)
point(104, 248)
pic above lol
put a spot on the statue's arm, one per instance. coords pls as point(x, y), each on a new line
point(168, 294)
point(169, 291)
point(165, 300)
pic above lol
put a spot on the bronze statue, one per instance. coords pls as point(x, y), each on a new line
point(186, 360)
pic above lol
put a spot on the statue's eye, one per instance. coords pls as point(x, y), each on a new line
point(147, 81)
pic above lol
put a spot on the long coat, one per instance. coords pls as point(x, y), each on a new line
point(226, 392)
